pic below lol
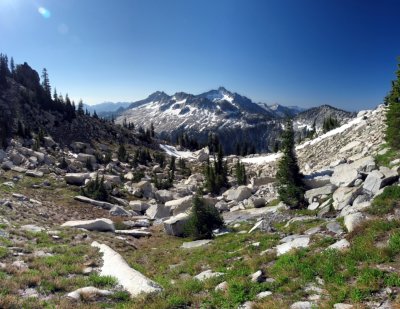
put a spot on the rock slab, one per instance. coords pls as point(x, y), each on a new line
point(130, 279)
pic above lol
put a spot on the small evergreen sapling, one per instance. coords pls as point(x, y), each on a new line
point(203, 219)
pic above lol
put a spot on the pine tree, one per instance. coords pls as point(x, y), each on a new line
point(393, 113)
point(46, 83)
point(289, 179)
point(203, 219)
point(80, 108)
point(330, 123)
point(240, 172)
point(152, 133)
point(122, 154)
point(12, 66)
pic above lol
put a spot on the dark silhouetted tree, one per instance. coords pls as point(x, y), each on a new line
point(393, 113)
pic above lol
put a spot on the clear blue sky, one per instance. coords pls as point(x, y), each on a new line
point(294, 52)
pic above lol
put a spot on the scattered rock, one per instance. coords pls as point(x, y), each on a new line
point(32, 228)
point(340, 245)
point(313, 193)
point(163, 196)
point(379, 179)
point(89, 290)
point(180, 205)
point(77, 179)
point(207, 274)
point(133, 232)
point(302, 305)
point(263, 294)
point(258, 276)
point(175, 225)
point(131, 280)
point(102, 225)
point(157, 211)
point(139, 206)
point(353, 220)
point(238, 194)
point(344, 196)
point(334, 227)
point(104, 205)
point(223, 286)
point(342, 306)
point(119, 211)
point(196, 243)
point(33, 173)
point(299, 241)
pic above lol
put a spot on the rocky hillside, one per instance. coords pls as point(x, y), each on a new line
point(315, 117)
point(26, 109)
point(109, 234)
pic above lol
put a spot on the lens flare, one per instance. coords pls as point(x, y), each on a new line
point(44, 12)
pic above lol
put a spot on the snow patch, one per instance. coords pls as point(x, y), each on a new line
point(172, 151)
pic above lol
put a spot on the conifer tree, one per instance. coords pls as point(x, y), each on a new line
point(289, 179)
point(240, 172)
point(393, 113)
point(203, 219)
point(152, 133)
point(122, 154)
point(12, 66)
point(46, 83)
point(80, 108)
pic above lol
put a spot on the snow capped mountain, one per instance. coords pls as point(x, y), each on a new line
point(235, 118)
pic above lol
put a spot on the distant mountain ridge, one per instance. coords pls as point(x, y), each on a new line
point(235, 118)
point(106, 107)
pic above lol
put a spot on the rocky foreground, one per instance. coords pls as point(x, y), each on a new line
point(61, 248)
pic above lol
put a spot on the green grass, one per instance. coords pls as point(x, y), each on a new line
point(274, 202)
point(386, 202)
point(102, 281)
point(3, 252)
point(385, 159)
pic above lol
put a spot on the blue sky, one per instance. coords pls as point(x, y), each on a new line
point(294, 52)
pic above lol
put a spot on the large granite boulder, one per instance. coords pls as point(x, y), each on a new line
point(239, 194)
point(180, 205)
point(130, 279)
point(77, 179)
point(102, 225)
point(175, 225)
point(344, 196)
point(163, 196)
point(157, 211)
point(376, 180)
point(351, 221)
point(314, 193)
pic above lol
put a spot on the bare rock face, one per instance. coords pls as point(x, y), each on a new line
point(314, 193)
point(351, 221)
point(89, 290)
point(238, 194)
point(102, 225)
point(130, 279)
point(180, 205)
point(77, 179)
point(157, 211)
point(376, 180)
point(299, 241)
point(175, 225)
point(84, 158)
point(344, 196)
